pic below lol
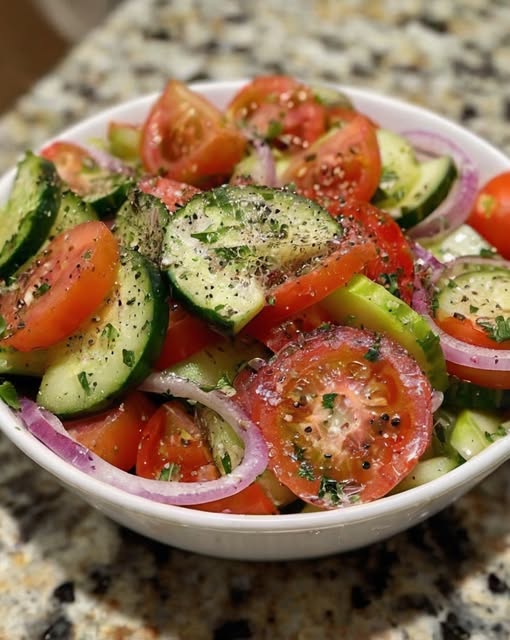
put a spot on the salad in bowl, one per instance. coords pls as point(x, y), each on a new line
point(259, 307)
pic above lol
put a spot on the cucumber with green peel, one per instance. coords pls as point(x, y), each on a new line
point(409, 189)
point(223, 246)
point(140, 224)
point(72, 211)
point(106, 192)
point(363, 303)
point(124, 141)
point(115, 349)
point(26, 219)
point(462, 394)
point(474, 431)
point(227, 447)
point(426, 471)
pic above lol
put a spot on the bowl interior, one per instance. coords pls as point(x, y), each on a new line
point(392, 114)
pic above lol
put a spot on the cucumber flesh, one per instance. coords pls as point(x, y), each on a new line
point(21, 363)
point(227, 448)
point(29, 214)
point(73, 210)
point(474, 431)
point(140, 224)
point(425, 471)
point(115, 349)
point(222, 247)
point(363, 303)
point(461, 242)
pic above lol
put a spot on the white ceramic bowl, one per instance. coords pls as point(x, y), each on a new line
point(287, 536)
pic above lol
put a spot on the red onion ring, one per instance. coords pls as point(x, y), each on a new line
point(106, 161)
point(265, 173)
point(49, 429)
point(455, 208)
point(458, 351)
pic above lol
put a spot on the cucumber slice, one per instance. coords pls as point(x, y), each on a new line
point(221, 248)
point(461, 242)
point(72, 211)
point(124, 141)
point(227, 448)
point(218, 365)
point(28, 216)
point(478, 293)
point(115, 349)
point(140, 224)
point(425, 471)
point(20, 363)
point(106, 192)
point(363, 303)
point(474, 431)
point(400, 169)
point(410, 190)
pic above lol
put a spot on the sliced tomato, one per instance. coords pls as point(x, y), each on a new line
point(467, 330)
point(349, 417)
point(73, 164)
point(114, 435)
point(251, 501)
point(187, 334)
point(491, 213)
point(345, 163)
point(279, 109)
point(393, 267)
point(481, 377)
point(277, 336)
point(62, 288)
point(301, 292)
point(172, 193)
point(173, 447)
point(185, 138)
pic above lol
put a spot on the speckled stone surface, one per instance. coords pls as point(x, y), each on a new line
point(66, 572)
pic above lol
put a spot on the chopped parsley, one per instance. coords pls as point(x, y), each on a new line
point(41, 289)
point(84, 382)
point(328, 400)
point(9, 394)
point(306, 471)
point(226, 462)
point(390, 282)
point(169, 471)
point(333, 489)
point(499, 330)
point(110, 333)
point(374, 352)
point(128, 357)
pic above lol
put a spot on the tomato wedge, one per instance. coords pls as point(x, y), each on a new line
point(74, 164)
point(185, 138)
point(187, 334)
point(172, 193)
point(252, 501)
point(393, 267)
point(279, 109)
point(349, 417)
point(301, 292)
point(491, 213)
point(62, 287)
point(345, 163)
point(114, 435)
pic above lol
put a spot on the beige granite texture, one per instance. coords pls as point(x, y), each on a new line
point(66, 572)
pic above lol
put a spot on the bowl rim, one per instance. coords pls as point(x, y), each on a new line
point(466, 474)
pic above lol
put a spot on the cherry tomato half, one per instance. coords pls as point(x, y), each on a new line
point(65, 283)
point(491, 213)
point(349, 417)
point(185, 138)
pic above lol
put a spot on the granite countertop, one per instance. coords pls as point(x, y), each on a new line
point(68, 572)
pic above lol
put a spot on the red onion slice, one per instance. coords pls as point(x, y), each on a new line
point(455, 209)
point(266, 173)
point(106, 161)
point(49, 429)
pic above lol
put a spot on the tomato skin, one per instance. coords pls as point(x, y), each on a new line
point(481, 377)
point(172, 193)
point(380, 425)
point(394, 263)
point(251, 501)
point(187, 334)
point(185, 138)
point(172, 437)
point(346, 164)
point(491, 213)
point(301, 292)
point(468, 331)
point(114, 435)
point(71, 161)
point(280, 110)
point(63, 286)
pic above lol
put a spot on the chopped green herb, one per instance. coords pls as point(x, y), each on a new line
point(472, 308)
point(328, 400)
point(305, 471)
point(226, 463)
point(390, 282)
point(9, 394)
point(487, 253)
point(41, 289)
point(274, 129)
point(169, 471)
point(499, 331)
point(499, 433)
point(128, 357)
point(334, 489)
point(84, 382)
point(374, 352)
point(271, 300)
point(110, 333)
